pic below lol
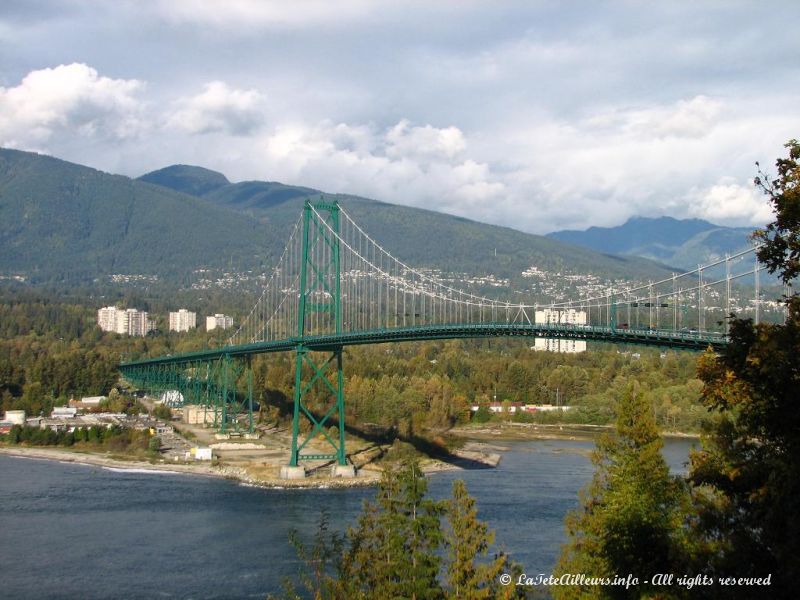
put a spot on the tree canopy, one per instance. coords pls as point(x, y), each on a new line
point(747, 477)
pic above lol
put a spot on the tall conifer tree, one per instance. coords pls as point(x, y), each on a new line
point(393, 551)
point(630, 518)
point(468, 539)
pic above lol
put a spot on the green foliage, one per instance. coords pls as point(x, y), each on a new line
point(194, 181)
point(64, 222)
point(407, 386)
point(51, 350)
point(154, 445)
point(399, 550)
point(469, 539)
point(482, 415)
point(781, 238)
point(631, 516)
point(321, 574)
point(747, 475)
point(114, 438)
point(393, 549)
point(162, 411)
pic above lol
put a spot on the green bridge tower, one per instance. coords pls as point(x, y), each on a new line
point(319, 311)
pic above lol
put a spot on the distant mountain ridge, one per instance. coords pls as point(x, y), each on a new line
point(195, 181)
point(680, 242)
point(421, 237)
point(244, 195)
point(65, 223)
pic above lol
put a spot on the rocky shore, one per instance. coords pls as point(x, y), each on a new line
point(265, 476)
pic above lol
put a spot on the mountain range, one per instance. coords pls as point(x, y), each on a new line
point(67, 223)
point(683, 243)
point(417, 236)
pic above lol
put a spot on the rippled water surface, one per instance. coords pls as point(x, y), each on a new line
point(75, 531)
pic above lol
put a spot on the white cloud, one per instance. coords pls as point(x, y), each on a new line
point(428, 142)
point(728, 202)
point(550, 174)
point(692, 118)
point(69, 100)
point(219, 108)
point(417, 165)
point(539, 116)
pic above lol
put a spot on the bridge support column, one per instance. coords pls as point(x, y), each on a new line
point(231, 401)
point(330, 392)
point(213, 385)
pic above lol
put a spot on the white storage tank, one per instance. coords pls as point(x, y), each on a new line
point(17, 417)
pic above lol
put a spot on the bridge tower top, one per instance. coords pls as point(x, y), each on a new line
point(320, 292)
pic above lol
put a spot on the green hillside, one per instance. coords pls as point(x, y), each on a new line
point(195, 181)
point(426, 238)
point(64, 222)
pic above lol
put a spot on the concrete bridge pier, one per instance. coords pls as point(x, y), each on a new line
point(344, 471)
point(290, 472)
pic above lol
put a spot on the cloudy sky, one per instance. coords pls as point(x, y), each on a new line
point(537, 115)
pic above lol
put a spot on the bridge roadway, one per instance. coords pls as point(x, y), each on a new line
point(687, 340)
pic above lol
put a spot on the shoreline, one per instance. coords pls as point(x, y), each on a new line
point(534, 431)
point(102, 460)
point(366, 477)
point(236, 474)
point(475, 449)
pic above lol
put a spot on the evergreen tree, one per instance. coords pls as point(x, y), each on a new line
point(393, 550)
point(747, 476)
point(630, 518)
point(467, 540)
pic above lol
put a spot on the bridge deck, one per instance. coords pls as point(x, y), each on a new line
point(648, 337)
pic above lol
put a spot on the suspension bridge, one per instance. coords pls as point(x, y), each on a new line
point(335, 286)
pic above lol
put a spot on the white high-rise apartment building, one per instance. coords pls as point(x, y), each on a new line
point(562, 317)
point(183, 320)
point(125, 321)
point(107, 318)
point(219, 321)
point(138, 322)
